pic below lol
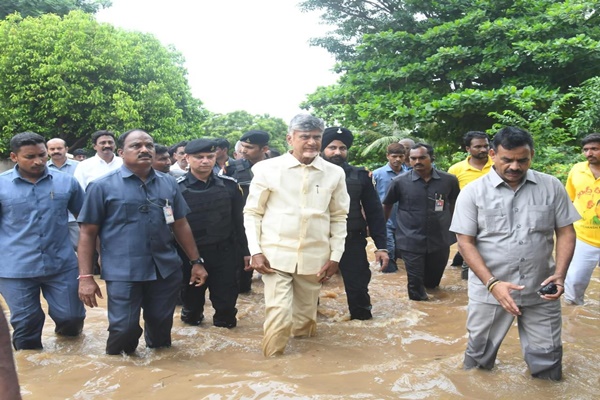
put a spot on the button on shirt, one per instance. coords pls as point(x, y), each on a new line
point(34, 233)
point(295, 213)
point(93, 168)
point(68, 168)
point(421, 229)
point(135, 239)
point(514, 230)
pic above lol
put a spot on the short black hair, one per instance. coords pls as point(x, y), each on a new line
point(511, 137)
point(160, 149)
point(174, 148)
point(469, 136)
point(97, 134)
point(25, 139)
point(123, 137)
point(426, 146)
point(396, 148)
point(79, 152)
point(592, 137)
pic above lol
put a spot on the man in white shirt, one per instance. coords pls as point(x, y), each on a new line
point(180, 166)
point(103, 162)
point(295, 220)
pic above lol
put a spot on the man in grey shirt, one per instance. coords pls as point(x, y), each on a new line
point(505, 224)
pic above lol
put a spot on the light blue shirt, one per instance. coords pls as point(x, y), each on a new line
point(135, 238)
point(34, 233)
point(383, 177)
point(68, 168)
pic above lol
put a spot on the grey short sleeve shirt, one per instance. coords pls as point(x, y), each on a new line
point(514, 230)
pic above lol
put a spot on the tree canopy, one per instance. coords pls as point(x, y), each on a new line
point(68, 77)
point(443, 67)
point(35, 8)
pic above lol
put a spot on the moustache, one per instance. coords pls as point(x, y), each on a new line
point(145, 155)
point(107, 148)
point(56, 154)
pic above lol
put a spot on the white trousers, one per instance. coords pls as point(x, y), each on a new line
point(585, 259)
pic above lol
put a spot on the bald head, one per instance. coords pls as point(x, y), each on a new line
point(407, 143)
point(57, 150)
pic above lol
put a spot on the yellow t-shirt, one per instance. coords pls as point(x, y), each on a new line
point(466, 173)
point(584, 191)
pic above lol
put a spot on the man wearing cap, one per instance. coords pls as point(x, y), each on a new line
point(138, 214)
point(217, 222)
point(364, 202)
point(295, 219)
point(254, 145)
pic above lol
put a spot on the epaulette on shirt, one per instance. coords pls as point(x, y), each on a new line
point(228, 178)
point(180, 178)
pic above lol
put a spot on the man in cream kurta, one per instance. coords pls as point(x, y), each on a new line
point(295, 220)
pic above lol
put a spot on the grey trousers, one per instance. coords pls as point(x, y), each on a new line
point(539, 332)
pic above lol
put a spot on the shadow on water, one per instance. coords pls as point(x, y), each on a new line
point(410, 350)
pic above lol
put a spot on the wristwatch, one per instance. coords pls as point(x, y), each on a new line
point(199, 260)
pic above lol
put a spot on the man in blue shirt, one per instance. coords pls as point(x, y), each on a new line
point(35, 246)
point(137, 213)
point(57, 150)
point(383, 176)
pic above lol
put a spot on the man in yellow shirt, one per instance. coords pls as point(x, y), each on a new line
point(477, 164)
point(583, 187)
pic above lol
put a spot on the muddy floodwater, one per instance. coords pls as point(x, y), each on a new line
point(409, 350)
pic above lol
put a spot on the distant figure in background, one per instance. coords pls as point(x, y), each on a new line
point(395, 155)
point(365, 218)
point(222, 155)
point(271, 153)
point(254, 145)
point(37, 254)
point(79, 155)
point(162, 159)
point(583, 187)
point(295, 219)
point(102, 163)
point(180, 166)
point(408, 144)
point(477, 164)
point(426, 199)
point(57, 150)
point(138, 214)
point(237, 152)
point(9, 381)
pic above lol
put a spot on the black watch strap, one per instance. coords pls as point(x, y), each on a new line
point(199, 260)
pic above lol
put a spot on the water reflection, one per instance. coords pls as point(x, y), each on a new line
point(410, 350)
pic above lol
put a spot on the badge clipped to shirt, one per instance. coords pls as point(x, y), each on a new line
point(439, 204)
point(168, 212)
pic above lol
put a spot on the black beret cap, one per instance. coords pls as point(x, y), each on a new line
point(336, 133)
point(255, 137)
point(201, 146)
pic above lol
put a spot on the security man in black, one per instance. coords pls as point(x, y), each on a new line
point(216, 219)
point(364, 202)
point(254, 147)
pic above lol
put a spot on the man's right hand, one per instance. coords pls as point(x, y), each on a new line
point(198, 275)
point(501, 291)
point(260, 263)
point(88, 290)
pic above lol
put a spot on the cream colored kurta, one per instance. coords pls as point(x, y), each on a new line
point(296, 214)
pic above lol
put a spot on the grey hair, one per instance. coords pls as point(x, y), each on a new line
point(306, 123)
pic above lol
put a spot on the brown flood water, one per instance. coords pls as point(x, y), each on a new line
point(410, 350)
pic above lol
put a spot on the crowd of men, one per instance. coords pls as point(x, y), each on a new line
point(164, 225)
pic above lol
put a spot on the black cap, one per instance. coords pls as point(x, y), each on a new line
point(337, 133)
point(201, 146)
point(255, 137)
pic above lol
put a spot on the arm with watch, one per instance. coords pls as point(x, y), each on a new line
point(183, 235)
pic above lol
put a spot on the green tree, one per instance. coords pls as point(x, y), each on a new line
point(232, 126)
point(68, 77)
point(35, 8)
point(441, 68)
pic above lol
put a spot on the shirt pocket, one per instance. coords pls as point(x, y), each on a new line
point(17, 210)
point(540, 218)
point(493, 220)
point(59, 204)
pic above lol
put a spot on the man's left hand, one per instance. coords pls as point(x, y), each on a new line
point(559, 281)
point(328, 270)
point(383, 259)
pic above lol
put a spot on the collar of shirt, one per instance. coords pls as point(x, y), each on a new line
point(126, 173)
point(50, 163)
point(291, 162)
point(469, 166)
point(497, 180)
point(101, 161)
point(416, 177)
point(17, 175)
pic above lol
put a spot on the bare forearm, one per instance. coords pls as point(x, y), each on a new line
point(467, 248)
point(85, 249)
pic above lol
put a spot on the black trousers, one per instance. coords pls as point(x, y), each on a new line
point(424, 270)
point(354, 266)
point(220, 263)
